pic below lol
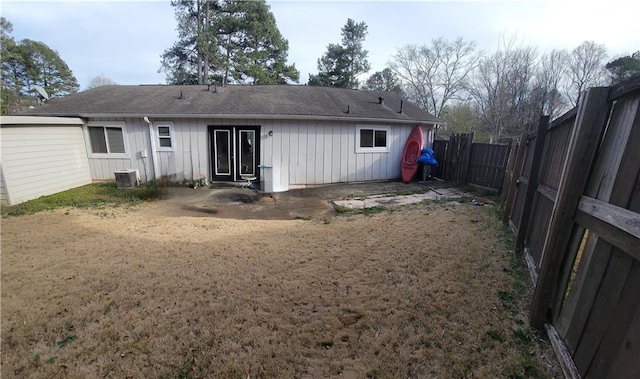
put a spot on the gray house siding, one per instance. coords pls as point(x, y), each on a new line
point(300, 152)
point(325, 152)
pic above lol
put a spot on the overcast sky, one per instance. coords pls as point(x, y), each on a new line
point(123, 40)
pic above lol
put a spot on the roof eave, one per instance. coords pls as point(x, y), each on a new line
point(249, 117)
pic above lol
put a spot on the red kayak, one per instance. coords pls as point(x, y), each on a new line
point(411, 153)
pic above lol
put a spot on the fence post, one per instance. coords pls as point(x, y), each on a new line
point(466, 160)
point(590, 124)
point(532, 184)
point(514, 165)
point(448, 171)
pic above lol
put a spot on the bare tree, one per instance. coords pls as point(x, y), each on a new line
point(434, 75)
point(100, 80)
point(546, 97)
point(585, 69)
point(502, 88)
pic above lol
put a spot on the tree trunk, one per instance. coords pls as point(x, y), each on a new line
point(226, 68)
point(199, 41)
point(205, 68)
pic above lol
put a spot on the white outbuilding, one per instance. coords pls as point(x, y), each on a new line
point(41, 156)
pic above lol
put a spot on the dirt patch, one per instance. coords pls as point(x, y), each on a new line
point(424, 290)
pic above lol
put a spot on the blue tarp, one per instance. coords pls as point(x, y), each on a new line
point(427, 158)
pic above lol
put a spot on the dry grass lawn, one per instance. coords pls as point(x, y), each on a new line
point(426, 290)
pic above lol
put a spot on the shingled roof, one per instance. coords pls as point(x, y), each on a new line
point(253, 102)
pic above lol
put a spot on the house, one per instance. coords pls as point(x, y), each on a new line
point(286, 136)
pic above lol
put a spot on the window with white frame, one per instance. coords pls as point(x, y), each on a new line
point(164, 135)
point(372, 139)
point(107, 139)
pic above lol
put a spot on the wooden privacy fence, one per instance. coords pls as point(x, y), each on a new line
point(573, 202)
point(464, 162)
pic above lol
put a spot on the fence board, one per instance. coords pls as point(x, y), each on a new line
point(518, 205)
point(487, 165)
point(618, 162)
point(540, 215)
point(556, 153)
point(621, 330)
point(611, 288)
point(577, 239)
point(532, 176)
point(457, 157)
point(625, 363)
point(581, 297)
point(590, 124)
point(588, 279)
point(509, 169)
point(618, 226)
point(513, 173)
point(464, 162)
point(440, 154)
point(569, 368)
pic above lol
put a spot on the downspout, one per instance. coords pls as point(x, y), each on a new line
point(152, 138)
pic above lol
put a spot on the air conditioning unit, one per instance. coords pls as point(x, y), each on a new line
point(127, 178)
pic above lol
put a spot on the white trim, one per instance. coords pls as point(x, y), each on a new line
point(243, 116)
point(39, 121)
point(363, 150)
point(106, 124)
point(253, 153)
point(157, 125)
point(215, 148)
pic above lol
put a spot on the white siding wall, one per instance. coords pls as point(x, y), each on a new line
point(323, 152)
point(303, 152)
point(42, 160)
point(136, 140)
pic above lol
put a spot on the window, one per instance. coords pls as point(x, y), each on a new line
point(372, 139)
point(107, 139)
point(165, 136)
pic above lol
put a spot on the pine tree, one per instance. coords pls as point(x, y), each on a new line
point(12, 69)
point(227, 42)
point(385, 80)
point(45, 68)
point(27, 64)
point(624, 67)
point(341, 64)
point(264, 51)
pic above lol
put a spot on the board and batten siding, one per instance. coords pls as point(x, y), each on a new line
point(41, 159)
point(136, 139)
point(323, 152)
point(188, 160)
point(299, 152)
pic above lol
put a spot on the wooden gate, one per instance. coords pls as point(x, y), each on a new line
point(464, 162)
point(458, 155)
point(575, 210)
point(487, 165)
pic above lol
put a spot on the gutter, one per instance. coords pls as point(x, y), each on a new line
point(257, 117)
point(154, 158)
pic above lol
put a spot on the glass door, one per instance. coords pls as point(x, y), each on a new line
point(247, 163)
point(235, 152)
